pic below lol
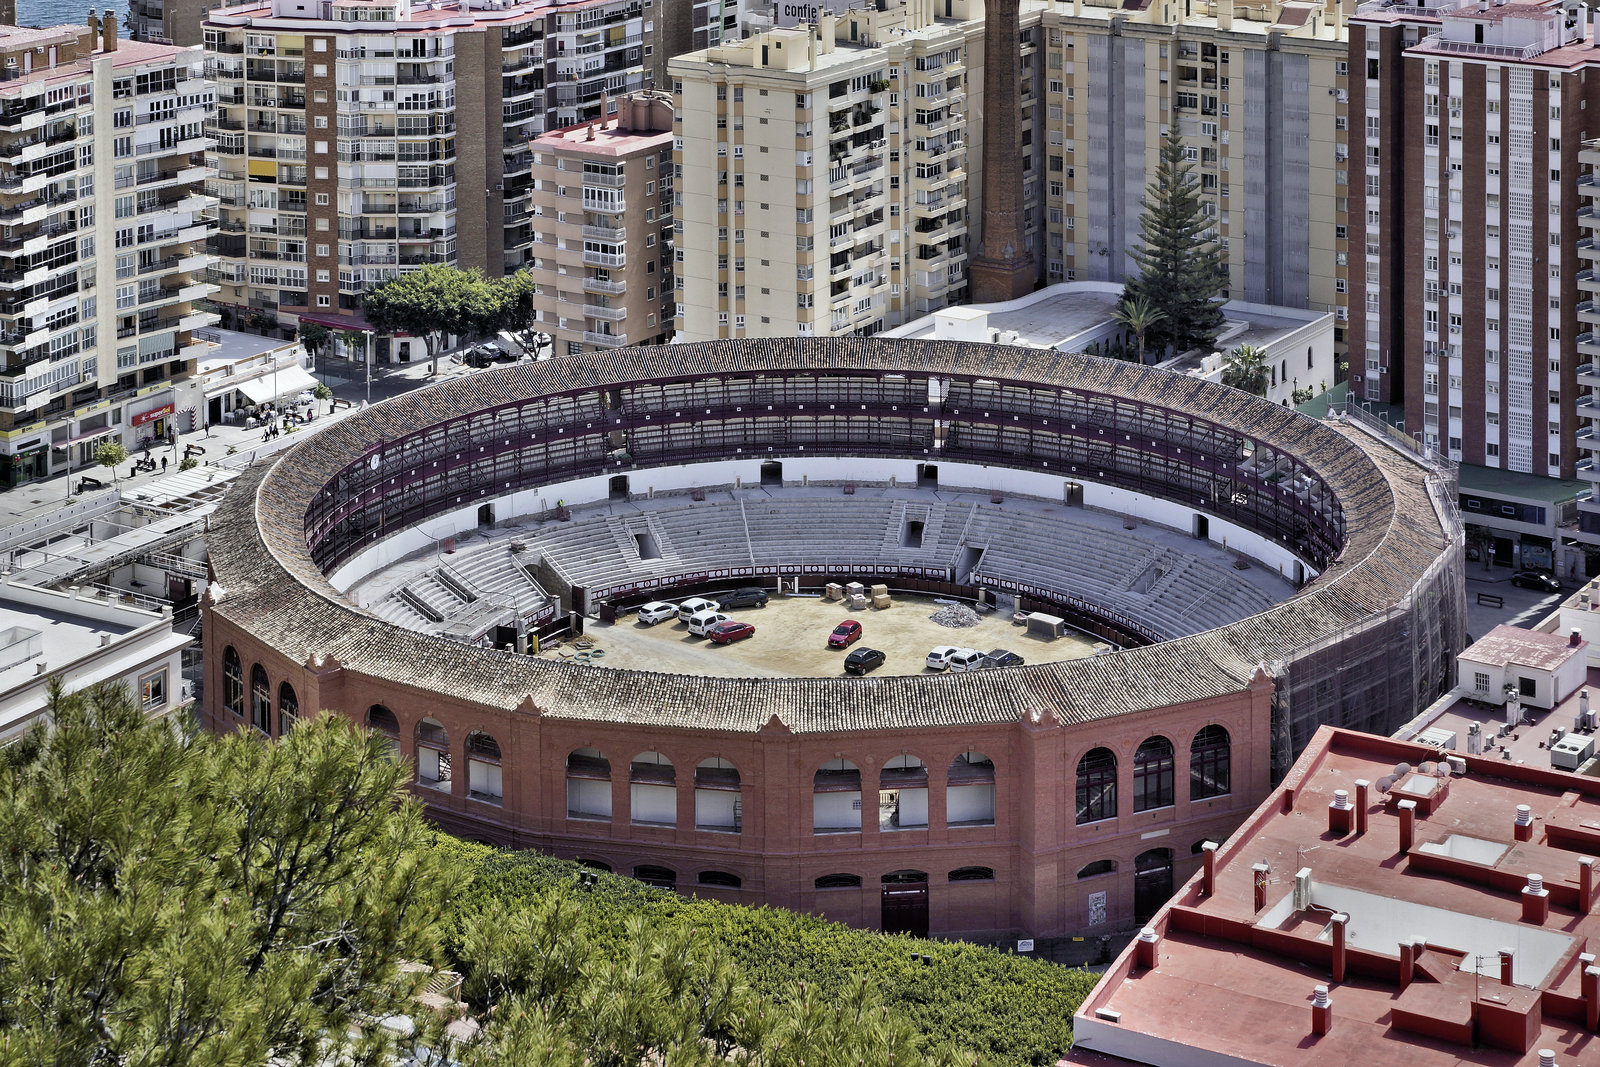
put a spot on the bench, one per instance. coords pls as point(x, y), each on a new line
point(1491, 600)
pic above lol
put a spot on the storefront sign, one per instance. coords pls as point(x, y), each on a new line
point(144, 417)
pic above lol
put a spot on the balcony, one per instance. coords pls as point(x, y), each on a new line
point(605, 340)
point(605, 233)
point(605, 259)
point(608, 314)
point(603, 285)
point(1589, 375)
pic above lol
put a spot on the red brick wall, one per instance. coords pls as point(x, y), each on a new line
point(1035, 847)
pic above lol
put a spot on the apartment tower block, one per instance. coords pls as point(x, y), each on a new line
point(103, 229)
point(1464, 297)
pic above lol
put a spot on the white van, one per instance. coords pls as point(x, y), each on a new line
point(688, 608)
point(964, 659)
point(701, 622)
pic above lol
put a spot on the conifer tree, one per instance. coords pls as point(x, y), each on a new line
point(1182, 272)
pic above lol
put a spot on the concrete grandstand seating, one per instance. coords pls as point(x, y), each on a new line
point(1158, 580)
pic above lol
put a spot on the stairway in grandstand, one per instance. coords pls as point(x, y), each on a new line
point(465, 595)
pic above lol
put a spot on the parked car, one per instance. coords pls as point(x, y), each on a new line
point(1544, 583)
point(731, 630)
point(480, 355)
point(861, 660)
point(1002, 658)
point(750, 597)
point(701, 623)
point(939, 658)
point(657, 611)
point(845, 634)
point(964, 659)
point(696, 604)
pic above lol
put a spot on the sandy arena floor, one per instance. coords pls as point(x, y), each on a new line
point(791, 640)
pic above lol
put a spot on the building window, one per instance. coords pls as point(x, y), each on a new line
point(836, 798)
point(838, 881)
point(969, 792)
point(383, 724)
point(1480, 681)
point(153, 690)
point(260, 699)
point(1209, 764)
point(721, 879)
point(972, 874)
point(433, 751)
point(588, 785)
point(484, 780)
point(652, 790)
point(1153, 775)
point(1097, 868)
point(288, 708)
point(717, 803)
point(1097, 786)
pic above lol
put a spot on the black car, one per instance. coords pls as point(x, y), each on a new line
point(1001, 658)
point(743, 598)
point(1539, 580)
point(862, 660)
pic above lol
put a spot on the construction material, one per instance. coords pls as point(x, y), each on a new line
point(956, 617)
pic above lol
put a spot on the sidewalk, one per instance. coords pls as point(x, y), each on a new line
point(37, 499)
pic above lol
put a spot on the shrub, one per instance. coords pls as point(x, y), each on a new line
point(1006, 1009)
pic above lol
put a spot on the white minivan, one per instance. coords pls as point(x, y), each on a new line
point(701, 622)
point(964, 659)
point(687, 608)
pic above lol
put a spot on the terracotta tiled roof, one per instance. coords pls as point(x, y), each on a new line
point(272, 588)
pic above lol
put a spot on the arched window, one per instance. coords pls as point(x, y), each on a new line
point(721, 878)
point(1097, 786)
point(717, 803)
point(660, 877)
point(836, 798)
point(1097, 868)
point(433, 751)
point(969, 796)
point(1153, 774)
point(838, 881)
point(595, 865)
point(903, 795)
point(382, 720)
point(972, 874)
point(484, 780)
point(288, 708)
point(232, 681)
point(260, 699)
point(1209, 759)
point(588, 785)
point(652, 790)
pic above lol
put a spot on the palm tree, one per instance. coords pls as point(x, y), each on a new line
point(1138, 314)
point(1246, 368)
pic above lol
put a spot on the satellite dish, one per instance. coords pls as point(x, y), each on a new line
point(1386, 783)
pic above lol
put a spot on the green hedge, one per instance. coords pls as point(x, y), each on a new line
point(1007, 1009)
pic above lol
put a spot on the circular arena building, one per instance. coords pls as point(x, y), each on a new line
point(1251, 572)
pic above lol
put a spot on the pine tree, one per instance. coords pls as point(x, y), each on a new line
point(173, 901)
point(1182, 272)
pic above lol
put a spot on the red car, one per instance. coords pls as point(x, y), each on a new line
point(845, 634)
point(726, 632)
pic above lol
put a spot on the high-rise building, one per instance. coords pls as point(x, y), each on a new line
point(355, 139)
point(1464, 205)
point(1257, 93)
point(822, 183)
point(103, 248)
point(602, 228)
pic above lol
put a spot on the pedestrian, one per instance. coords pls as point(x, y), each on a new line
point(163, 464)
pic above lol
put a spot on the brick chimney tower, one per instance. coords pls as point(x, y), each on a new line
point(1002, 269)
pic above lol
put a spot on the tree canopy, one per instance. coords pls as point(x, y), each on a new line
point(1182, 271)
point(109, 454)
point(433, 301)
point(167, 900)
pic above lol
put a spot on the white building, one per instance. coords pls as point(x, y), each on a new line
point(103, 255)
point(822, 183)
point(84, 641)
point(1298, 345)
point(1541, 669)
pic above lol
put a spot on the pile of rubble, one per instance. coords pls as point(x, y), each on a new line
point(955, 616)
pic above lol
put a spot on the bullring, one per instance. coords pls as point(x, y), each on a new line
point(1043, 800)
